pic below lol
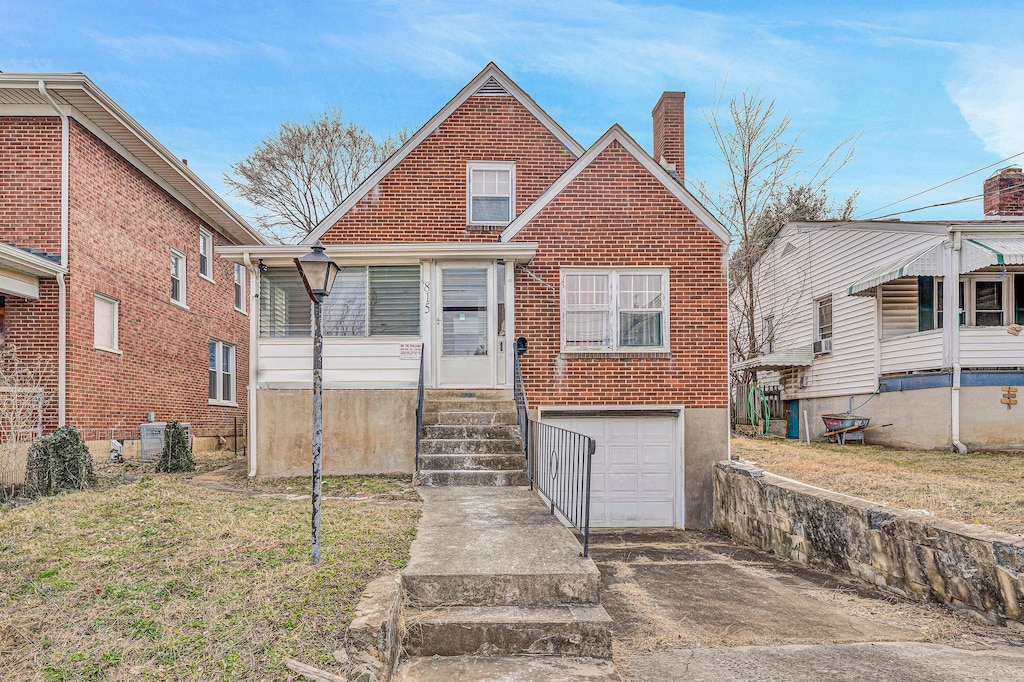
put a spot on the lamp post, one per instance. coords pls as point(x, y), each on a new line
point(318, 273)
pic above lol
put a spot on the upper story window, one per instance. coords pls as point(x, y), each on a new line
point(239, 287)
point(768, 334)
point(177, 277)
point(206, 254)
point(491, 193)
point(614, 310)
point(823, 318)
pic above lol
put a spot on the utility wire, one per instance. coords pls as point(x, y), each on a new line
point(943, 184)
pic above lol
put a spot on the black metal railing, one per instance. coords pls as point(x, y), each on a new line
point(558, 463)
point(419, 410)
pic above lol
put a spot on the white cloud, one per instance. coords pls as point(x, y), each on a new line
point(988, 88)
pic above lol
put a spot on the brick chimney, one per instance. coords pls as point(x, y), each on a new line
point(1004, 194)
point(668, 131)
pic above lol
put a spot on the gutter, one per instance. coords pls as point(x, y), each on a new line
point(62, 291)
point(254, 358)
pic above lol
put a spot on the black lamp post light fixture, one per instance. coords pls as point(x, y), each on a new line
point(318, 274)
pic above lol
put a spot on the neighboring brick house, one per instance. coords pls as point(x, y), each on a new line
point(492, 223)
point(108, 274)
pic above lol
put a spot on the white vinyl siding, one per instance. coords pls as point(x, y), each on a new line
point(105, 314)
point(206, 254)
point(911, 352)
point(348, 363)
point(490, 198)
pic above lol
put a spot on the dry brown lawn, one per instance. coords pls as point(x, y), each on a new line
point(150, 577)
point(985, 488)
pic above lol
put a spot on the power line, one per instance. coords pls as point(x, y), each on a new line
point(925, 191)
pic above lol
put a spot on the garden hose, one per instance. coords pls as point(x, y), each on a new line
point(752, 407)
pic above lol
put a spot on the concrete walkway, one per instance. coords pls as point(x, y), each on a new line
point(497, 589)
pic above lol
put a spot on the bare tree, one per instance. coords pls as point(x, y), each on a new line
point(305, 170)
point(765, 189)
point(22, 400)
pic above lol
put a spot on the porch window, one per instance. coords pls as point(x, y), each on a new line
point(614, 310)
point(491, 193)
point(1018, 299)
point(365, 301)
point(925, 304)
point(988, 303)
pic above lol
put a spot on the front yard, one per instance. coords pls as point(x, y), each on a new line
point(984, 488)
point(160, 579)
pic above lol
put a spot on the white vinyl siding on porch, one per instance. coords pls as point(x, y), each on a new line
point(990, 347)
point(912, 352)
point(348, 363)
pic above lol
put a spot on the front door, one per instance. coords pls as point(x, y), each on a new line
point(466, 327)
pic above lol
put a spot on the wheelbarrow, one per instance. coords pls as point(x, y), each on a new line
point(847, 428)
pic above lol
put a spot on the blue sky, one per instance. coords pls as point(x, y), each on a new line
point(935, 89)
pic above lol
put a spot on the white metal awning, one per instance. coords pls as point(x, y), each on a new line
point(791, 357)
point(922, 263)
point(981, 253)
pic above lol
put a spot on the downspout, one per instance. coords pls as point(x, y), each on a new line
point(254, 348)
point(62, 290)
point(953, 289)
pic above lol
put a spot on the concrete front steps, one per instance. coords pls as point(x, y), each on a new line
point(470, 437)
point(496, 588)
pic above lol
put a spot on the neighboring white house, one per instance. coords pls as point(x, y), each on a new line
point(856, 318)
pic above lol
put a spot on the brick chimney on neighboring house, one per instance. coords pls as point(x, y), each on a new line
point(668, 132)
point(1004, 194)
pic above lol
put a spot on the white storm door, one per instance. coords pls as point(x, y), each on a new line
point(466, 327)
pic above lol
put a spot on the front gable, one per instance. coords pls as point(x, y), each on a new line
point(421, 194)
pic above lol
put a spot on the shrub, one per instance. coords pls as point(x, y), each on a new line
point(58, 462)
point(177, 452)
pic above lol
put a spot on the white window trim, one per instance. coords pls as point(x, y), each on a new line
point(814, 310)
point(209, 256)
point(971, 299)
point(238, 279)
point(183, 280)
point(234, 374)
point(613, 294)
point(491, 165)
point(116, 320)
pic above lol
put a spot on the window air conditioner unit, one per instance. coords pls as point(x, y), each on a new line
point(822, 347)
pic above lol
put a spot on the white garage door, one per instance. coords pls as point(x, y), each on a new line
point(636, 477)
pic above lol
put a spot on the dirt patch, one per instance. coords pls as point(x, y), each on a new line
point(977, 488)
point(687, 589)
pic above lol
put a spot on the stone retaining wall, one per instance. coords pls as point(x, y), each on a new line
point(913, 555)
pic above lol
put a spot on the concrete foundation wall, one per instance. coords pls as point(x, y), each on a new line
point(922, 418)
point(706, 441)
point(914, 556)
point(365, 431)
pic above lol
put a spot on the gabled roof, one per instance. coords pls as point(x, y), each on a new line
point(617, 134)
point(79, 97)
point(490, 81)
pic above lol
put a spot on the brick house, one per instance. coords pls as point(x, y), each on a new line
point(493, 223)
point(108, 272)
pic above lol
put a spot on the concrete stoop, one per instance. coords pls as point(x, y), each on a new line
point(496, 588)
point(470, 438)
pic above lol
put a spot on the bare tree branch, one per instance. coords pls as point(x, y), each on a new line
point(304, 171)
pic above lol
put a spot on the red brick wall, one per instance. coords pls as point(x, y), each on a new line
point(122, 229)
point(616, 214)
point(424, 198)
point(30, 182)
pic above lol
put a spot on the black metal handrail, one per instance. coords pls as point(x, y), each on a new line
point(558, 464)
point(419, 410)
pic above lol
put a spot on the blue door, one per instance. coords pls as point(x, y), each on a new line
point(793, 419)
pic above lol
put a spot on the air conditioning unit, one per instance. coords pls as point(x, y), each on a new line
point(805, 380)
point(822, 347)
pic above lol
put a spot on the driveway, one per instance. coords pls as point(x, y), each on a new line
point(694, 605)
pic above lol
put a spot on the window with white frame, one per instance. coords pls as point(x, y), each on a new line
point(768, 334)
point(222, 372)
point(988, 301)
point(491, 193)
point(379, 300)
point(823, 318)
point(239, 287)
point(105, 323)
point(206, 254)
point(614, 310)
point(177, 277)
